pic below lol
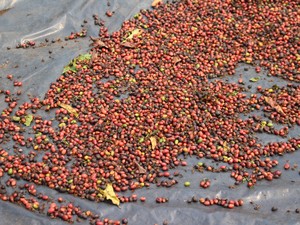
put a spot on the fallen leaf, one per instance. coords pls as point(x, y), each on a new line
point(254, 79)
point(141, 140)
point(4, 11)
point(279, 109)
point(128, 45)
point(69, 108)
point(16, 118)
point(110, 194)
point(270, 101)
point(29, 119)
point(176, 60)
point(70, 67)
point(274, 105)
point(84, 57)
point(153, 142)
point(156, 2)
point(141, 170)
point(94, 56)
point(133, 33)
point(97, 42)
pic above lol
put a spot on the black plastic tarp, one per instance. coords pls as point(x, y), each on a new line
point(22, 20)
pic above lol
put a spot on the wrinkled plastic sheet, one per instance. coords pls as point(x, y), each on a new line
point(22, 20)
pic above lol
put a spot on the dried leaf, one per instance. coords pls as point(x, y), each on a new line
point(156, 2)
point(4, 11)
point(69, 108)
point(110, 194)
point(270, 101)
point(153, 142)
point(133, 33)
point(93, 57)
point(29, 119)
point(97, 42)
point(141, 170)
point(254, 79)
point(279, 109)
point(128, 45)
point(274, 105)
point(176, 60)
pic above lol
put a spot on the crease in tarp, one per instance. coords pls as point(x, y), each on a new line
point(46, 32)
point(7, 4)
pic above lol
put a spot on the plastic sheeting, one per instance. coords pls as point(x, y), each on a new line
point(22, 20)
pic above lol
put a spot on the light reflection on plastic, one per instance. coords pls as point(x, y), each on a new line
point(43, 33)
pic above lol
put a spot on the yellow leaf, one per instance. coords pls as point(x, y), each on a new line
point(29, 119)
point(69, 108)
point(155, 3)
point(133, 33)
point(110, 194)
point(153, 142)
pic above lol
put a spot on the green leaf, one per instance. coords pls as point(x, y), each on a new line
point(29, 119)
point(16, 118)
point(70, 68)
point(72, 65)
point(254, 79)
point(133, 33)
point(84, 57)
point(141, 140)
point(234, 93)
